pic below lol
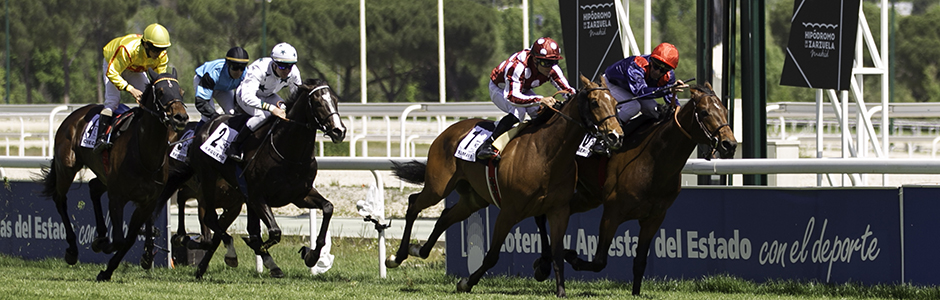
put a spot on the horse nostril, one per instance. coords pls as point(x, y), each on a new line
point(729, 146)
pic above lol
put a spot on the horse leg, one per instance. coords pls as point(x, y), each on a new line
point(542, 266)
point(503, 224)
point(263, 211)
point(101, 243)
point(648, 228)
point(209, 218)
point(610, 220)
point(466, 206)
point(315, 200)
point(254, 242)
point(116, 209)
point(61, 205)
point(146, 259)
point(141, 214)
point(416, 203)
point(558, 219)
point(225, 220)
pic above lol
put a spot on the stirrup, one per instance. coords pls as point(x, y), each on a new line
point(102, 145)
point(488, 153)
point(237, 157)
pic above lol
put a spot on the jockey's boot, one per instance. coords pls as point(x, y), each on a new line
point(486, 149)
point(104, 121)
point(234, 150)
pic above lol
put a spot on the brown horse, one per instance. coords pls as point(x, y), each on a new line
point(536, 176)
point(280, 170)
point(644, 178)
point(134, 170)
point(181, 181)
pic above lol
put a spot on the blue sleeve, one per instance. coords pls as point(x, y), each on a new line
point(207, 69)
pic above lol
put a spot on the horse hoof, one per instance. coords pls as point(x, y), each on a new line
point(200, 272)
point(540, 272)
point(391, 263)
point(99, 244)
point(146, 261)
point(104, 276)
point(180, 240)
point(277, 273)
point(463, 286)
point(311, 258)
point(71, 257)
point(231, 261)
point(415, 250)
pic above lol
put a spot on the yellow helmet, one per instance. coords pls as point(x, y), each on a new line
point(157, 35)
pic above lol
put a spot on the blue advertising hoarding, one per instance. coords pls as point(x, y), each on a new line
point(31, 228)
point(829, 235)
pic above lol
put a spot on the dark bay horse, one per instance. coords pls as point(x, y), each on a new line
point(133, 170)
point(644, 178)
point(182, 182)
point(279, 169)
point(536, 176)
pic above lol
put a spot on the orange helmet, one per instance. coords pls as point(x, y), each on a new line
point(546, 48)
point(666, 53)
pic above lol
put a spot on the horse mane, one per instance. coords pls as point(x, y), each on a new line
point(308, 85)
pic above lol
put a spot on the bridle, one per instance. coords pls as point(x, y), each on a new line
point(160, 111)
point(320, 124)
point(712, 136)
point(594, 129)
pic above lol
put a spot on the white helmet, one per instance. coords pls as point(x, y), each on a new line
point(284, 53)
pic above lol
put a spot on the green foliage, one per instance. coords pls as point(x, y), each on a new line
point(918, 55)
point(56, 44)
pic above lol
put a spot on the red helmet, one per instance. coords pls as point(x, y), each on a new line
point(666, 53)
point(546, 48)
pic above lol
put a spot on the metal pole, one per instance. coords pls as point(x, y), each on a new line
point(264, 27)
point(7, 75)
point(440, 51)
point(362, 51)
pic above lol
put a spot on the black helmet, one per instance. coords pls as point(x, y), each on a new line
point(237, 55)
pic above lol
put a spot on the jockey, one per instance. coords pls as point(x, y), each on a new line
point(126, 59)
point(257, 95)
point(511, 85)
point(210, 82)
point(642, 76)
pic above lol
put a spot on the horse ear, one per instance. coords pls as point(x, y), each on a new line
point(709, 86)
point(604, 82)
point(153, 75)
point(174, 72)
point(585, 81)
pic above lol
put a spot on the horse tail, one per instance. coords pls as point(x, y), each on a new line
point(411, 172)
point(48, 177)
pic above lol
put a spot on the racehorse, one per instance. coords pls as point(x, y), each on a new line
point(181, 181)
point(280, 169)
point(643, 179)
point(133, 170)
point(536, 176)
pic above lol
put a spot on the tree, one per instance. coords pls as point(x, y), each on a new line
point(918, 53)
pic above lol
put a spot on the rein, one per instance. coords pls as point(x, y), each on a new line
point(319, 125)
point(594, 130)
point(710, 135)
point(160, 112)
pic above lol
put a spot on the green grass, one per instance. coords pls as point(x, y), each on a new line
point(355, 276)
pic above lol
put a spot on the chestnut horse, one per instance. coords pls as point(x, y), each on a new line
point(280, 169)
point(644, 178)
point(133, 170)
point(536, 176)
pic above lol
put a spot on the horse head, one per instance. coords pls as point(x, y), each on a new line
point(164, 99)
point(603, 112)
point(315, 101)
point(711, 118)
